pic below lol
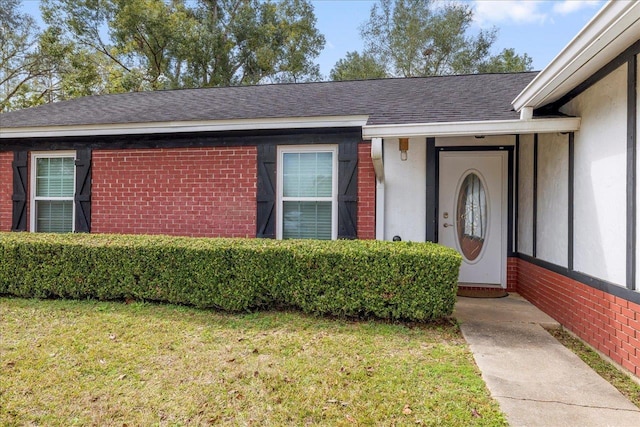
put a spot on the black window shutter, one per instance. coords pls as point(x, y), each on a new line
point(19, 198)
point(83, 191)
point(347, 190)
point(266, 191)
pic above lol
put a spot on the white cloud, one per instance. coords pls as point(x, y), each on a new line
point(569, 6)
point(509, 11)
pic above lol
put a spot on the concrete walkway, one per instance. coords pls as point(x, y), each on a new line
point(535, 379)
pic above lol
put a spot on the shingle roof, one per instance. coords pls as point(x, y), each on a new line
point(386, 101)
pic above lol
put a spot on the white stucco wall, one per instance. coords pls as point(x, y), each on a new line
point(553, 198)
point(600, 178)
point(471, 141)
point(525, 195)
point(405, 190)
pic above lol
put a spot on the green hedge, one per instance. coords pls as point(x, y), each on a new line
point(391, 280)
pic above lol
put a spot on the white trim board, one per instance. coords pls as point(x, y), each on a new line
point(476, 128)
point(184, 126)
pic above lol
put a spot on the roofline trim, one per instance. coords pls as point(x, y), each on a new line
point(476, 128)
point(184, 126)
point(605, 27)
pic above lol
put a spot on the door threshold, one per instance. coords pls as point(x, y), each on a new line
point(480, 290)
point(480, 285)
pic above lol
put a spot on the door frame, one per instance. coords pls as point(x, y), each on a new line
point(433, 189)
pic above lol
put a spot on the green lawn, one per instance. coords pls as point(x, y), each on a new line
point(95, 363)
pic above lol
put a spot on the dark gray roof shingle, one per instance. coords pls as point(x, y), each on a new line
point(385, 101)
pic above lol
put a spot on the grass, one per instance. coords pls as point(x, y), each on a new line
point(99, 363)
point(628, 387)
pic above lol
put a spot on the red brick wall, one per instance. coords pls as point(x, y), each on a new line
point(6, 190)
point(608, 323)
point(512, 274)
point(366, 193)
point(190, 192)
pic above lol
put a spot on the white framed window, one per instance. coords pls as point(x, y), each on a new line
point(307, 183)
point(53, 179)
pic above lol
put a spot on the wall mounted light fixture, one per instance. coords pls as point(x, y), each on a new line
point(403, 144)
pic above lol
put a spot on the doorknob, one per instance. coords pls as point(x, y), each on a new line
point(447, 225)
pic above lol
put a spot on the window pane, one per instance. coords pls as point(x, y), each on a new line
point(306, 220)
point(471, 216)
point(307, 174)
point(54, 216)
point(54, 177)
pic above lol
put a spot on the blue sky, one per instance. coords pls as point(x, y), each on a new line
point(540, 28)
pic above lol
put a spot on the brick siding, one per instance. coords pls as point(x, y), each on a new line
point(366, 193)
point(512, 274)
point(6, 190)
point(190, 192)
point(608, 323)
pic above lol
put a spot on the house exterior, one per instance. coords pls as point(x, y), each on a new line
point(577, 224)
point(531, 176)
point(206, 162)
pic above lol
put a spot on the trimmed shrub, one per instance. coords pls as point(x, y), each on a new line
point(360, 278)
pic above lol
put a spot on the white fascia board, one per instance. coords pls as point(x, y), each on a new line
point(478, 128)
point(186, 126)
point(612, 30)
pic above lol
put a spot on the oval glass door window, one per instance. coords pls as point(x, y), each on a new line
point(471, 216)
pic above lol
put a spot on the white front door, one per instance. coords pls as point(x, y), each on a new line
point(472, 213)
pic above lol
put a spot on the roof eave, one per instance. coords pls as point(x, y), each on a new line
point(475, 128)
point(612, 30)
point(184, 126)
